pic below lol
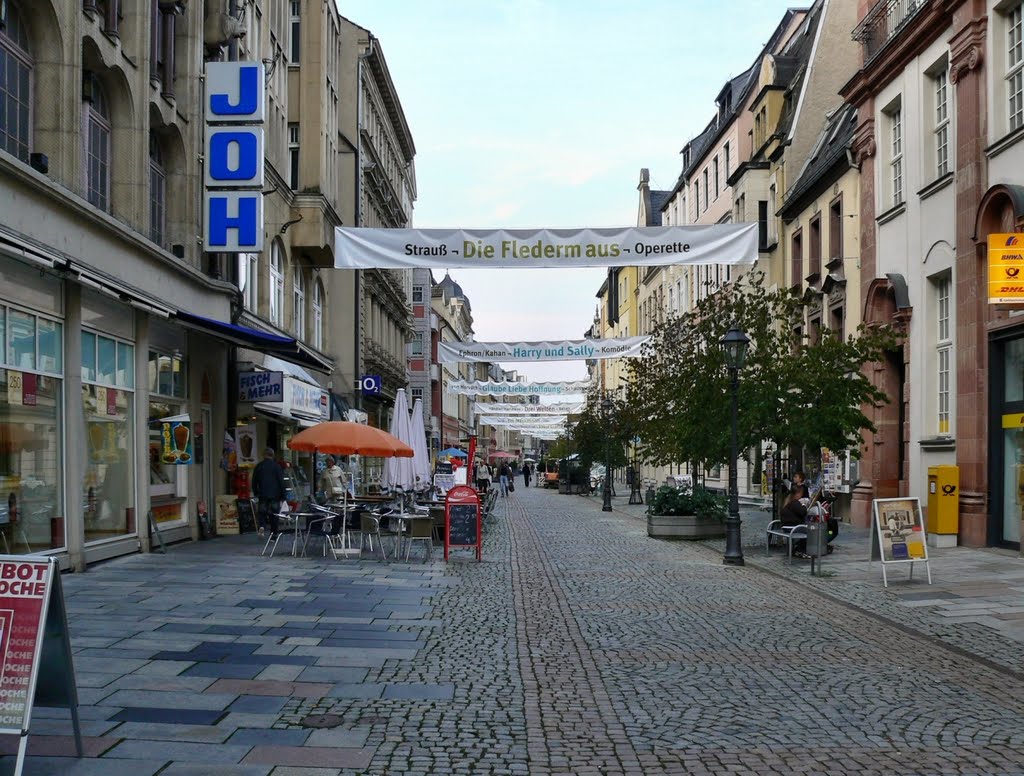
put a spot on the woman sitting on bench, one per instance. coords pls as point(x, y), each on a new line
point(795, 513)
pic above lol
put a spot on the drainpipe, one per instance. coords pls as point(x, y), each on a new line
point(357, 306)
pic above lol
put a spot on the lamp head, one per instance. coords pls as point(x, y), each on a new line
point(734, 344)
point(606, 405)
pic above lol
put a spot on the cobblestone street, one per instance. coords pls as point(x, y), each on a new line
point(579, 646)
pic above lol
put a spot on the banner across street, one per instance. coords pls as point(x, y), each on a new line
point(368, 248)
point(498, 388)
point(563, 350)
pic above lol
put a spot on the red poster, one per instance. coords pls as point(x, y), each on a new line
point(24, 587)
point(111, 401)
point(28, 389)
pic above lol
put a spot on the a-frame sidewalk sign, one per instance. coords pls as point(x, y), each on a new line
point(36, 667)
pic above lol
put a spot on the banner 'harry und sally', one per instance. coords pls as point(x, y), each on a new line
point(564, 350)
point(365, 248)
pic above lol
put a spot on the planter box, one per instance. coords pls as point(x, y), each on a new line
point(683, 527)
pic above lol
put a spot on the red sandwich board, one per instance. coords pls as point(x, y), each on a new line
point(462, 523)
point(33, 636)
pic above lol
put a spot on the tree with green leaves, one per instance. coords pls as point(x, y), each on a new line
point(795, 392)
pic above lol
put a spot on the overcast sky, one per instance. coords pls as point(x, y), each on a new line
point(540, 113)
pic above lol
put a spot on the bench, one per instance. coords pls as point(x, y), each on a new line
point(785, 533)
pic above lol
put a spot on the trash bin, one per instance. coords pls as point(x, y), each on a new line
point(817, 539)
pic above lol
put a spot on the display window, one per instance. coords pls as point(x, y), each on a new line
point(170, 441)
point(108, 402)
point(31, 432)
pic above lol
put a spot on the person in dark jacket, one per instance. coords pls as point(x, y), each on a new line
point(795, 513)
point(268, 487)
point(527, 471)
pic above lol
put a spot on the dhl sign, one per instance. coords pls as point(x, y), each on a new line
point(1006, 268)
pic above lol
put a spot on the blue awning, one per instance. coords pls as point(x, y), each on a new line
point(262, 341)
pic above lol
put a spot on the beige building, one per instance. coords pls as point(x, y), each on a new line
point(115, 318)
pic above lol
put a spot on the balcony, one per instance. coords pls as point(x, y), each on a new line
point(885, 20)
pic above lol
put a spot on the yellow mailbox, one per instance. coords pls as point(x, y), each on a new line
point(943, 499)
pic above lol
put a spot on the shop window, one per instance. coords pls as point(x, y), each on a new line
point(167, 375)
point(109, 484)
point(248, 273)
point(15, 85)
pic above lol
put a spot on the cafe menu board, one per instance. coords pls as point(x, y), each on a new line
point(462, 523)
point(35, 652)
point(899, 535)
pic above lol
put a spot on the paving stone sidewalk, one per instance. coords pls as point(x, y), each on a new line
point(579, 646)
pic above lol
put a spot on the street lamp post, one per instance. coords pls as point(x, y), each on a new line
point(606, 490)
point(734, 344)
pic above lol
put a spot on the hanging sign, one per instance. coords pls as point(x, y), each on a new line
point(485, 388)
point(261, 386)
point(500, 408)
point(521, 420)
point(176, 440)
point(564, 350)
point(245, 446)
point(366, 248)
point(233, 182)
point(34, 647)
point(1005, 268)
point(899, 535)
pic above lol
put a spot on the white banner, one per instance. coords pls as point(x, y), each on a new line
point(564, 350)
point(484, 388)
point(366, 248)
point(500, 408)
point(519, 420)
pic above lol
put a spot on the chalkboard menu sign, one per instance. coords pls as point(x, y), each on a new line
point(462, 527)
point(462, 524)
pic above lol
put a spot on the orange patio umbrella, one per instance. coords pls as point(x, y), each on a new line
point(342, 437)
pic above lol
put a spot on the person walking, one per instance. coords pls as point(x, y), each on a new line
point(483, 476)
point(332, 480)
point(504, 472)
point(527, 471)
point(268, 486)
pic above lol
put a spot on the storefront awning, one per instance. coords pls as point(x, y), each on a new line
point(262, 341)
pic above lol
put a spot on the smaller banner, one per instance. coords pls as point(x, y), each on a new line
point(1006, 268)
point(564, 350)
point(497, 408)
point(245, 446)
point(521, 420)
point(485, 388)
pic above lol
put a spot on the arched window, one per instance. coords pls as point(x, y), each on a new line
point(299, 301)
point(157, 191)
point(318, 314)
point(276, 285)
point(15, 85)
point(97, 145)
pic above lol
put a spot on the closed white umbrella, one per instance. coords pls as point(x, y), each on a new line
point(421, 459)
point(398, 472)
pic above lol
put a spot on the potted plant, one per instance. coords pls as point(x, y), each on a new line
point(686, 513)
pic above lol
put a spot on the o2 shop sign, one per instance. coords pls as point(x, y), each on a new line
point(233, 183)
point(370, 385)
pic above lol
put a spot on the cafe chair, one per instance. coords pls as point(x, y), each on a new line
point(421, 529)
point(281, 523)
point(369, 527)
point(325, 527)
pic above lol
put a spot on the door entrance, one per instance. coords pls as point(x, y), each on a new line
point(1007, 435)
